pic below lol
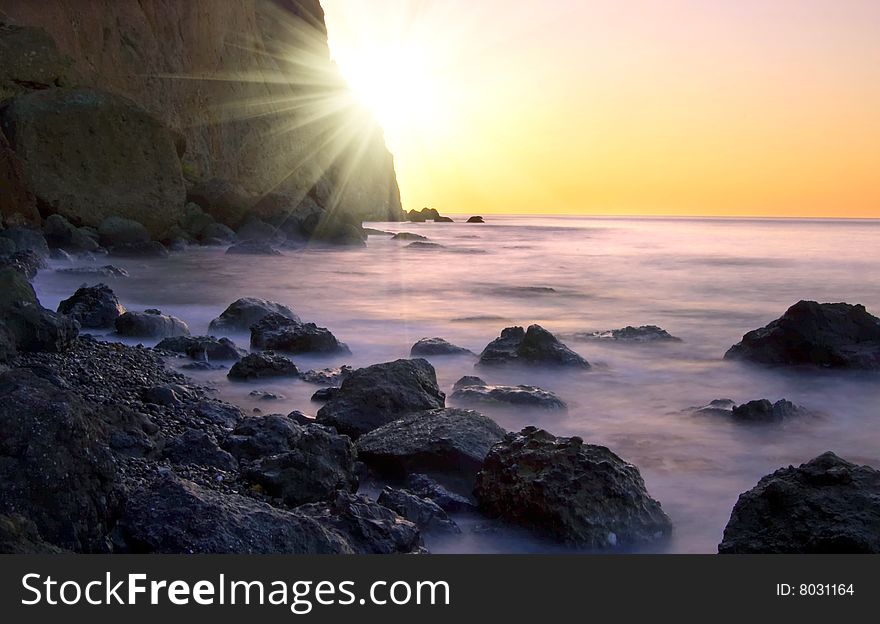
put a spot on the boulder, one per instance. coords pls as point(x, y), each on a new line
point(17, 204)
point(324, 394)
point(437, 346)
point(425, 245)
point(93, 307)
point(119, 231)
point(198, 448)
point(409, 236)
point(147, 249)
point(26, 262)
point(108, 270)
point(476, 220)
point(276, 332)
point(244, 312)
point(32, 328)
point(327, 376)
point(422, 512)
point(630, 334)
point(31, 60)
point(20, 536)
point(218, 234)
point(424, 486)
point(254, 248)
point(255, 437)
point(763, 411)
point(580, 494)
point(535, 347)
point(223, 200)
point(468, 391)
point(150, 324)
point(256, 230)
point(15, 288)
point(27, 239)
point(224, 415)
point(88, 155)
point(827, 505)
point(834, 335)
point(266, 365)
point(449, 442)
point(202, 348)
point(376, 395)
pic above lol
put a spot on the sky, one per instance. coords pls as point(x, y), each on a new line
point(646, 107)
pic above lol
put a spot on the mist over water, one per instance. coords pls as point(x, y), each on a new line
point(705, 281)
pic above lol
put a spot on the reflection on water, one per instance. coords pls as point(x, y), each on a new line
point(706, 281)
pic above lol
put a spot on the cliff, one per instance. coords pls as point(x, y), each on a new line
point(247, 84)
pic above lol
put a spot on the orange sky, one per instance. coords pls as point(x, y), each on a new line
point(682, 107)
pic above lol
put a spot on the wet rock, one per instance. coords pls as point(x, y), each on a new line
point(535, 347)
point(444, 220)
point(243, 313)
point(579, 494)
point(93, 307)
point(300, 418)
point(223, 415)
point(219, 234)
point(467, 390)
point(15, 288)
point(107, 270)
point(424, 486)
point(716, 407)
point(202, 348)
point(476, 220)
point(264, 365)
point(168, 395)
point(256, 437)
point(27, 239)
point(827, 505)
point(437, 346)
point(26, 262)
point(276, 332)
point(630, 334)
point(376, 395)
point(763, 411)
point(256, 230)
point(425, 245)
point(409, 236)
point(450, 442)
point(32, 328)
point(61, 234)
point(119, 231)
point(834, 335)
point(148, 249)
point(369, 528)
point(327, 376)
point(262, 395)
point(324, 394)
point(150, 324)
point(422, 512)
point(198, 448)
point(172, 515)
point(254, 248)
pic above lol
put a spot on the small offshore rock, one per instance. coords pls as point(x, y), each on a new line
point(94, 307)
point(244, 312)
point(202, 348)
point(535, 347)
point(266, 365)
point(437, 346)
point(276, 332)
point(520, 396)
point(150, 324)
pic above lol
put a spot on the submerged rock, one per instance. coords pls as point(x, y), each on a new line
point(244, 312)
point(535, 347)
point(376, 395)
point(836, 335)
point(254, 248)
point(579, 494)
point(107, 270)
point(26, 262)
point(424, 513)
point(761, 411)
point(276, 332)
point(148, 249)
point(264, 365)
point(424, 245)
point(827, 505)
point(150, 324)
point(449, 442)
point(409, 236)
point(437, 346)
point(424, 486)
point(202, 348)
point(475, 390)
point(630, 334)
point(93, 307)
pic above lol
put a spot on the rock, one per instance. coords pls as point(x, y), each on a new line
point(327, 376)
point(27, 239)
point(468, 381)
point(424, 486)
point(88, 155)
point(107, 270)
point(827, 505)
point(218, 232)
point(20, 536)
point(629, 334)
point(444, 220)
point(223, 200)
point(224, 415)
point(256, 437)
point(716, 407)
point(26, 262)
point(119, 231)
point(834, 335)
point(202, 348)
point(425, 214)
point(264, 365)
point(580, 494)
point(300, 418)
point(150, 324)
point(422, 512)
point(243, 313)
point(148, 249)
point(374, 232)
point(174, 516)
point(313, 472)
point(17, 204)
point(276, 332)
point(197, 448)
point(368, 527)
point(59, 255)
point(535, 347)
point(54, 469)
point(194, 221)
point(61, 234)
point(32, 328)
point(449, 442)
point(202, 366)
point(409, 236)
point(7, 247)
point(15, 288)
point(31, 60)
point(254, 248)
point(476, 220)
point(325, 394)
point(763, 411)
point(168, 395)
point(424, 245)
point(468, 391)
point(437, 346)
point(92, 307)
point(262, 395)
point(376, 395)
point(256, 230)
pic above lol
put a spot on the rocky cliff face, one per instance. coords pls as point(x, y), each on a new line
point(248, 84)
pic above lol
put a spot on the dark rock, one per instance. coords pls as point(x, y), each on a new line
point(476, 220)
point(262, 366)
point(202, 348)
point(243, 313)
point(93, 307)
point(827, 505)
point(763, 411)
point(376, 395)
point(422, 512)
point(300, 418)
point(535, 347)
point(451, 442)
point(368, 527)
point(374, 232)
point(444, 220)
point(32, 328)
point(468, 381)
point(59, 255)
point(202, 366)
point(716, 407)
point(254, 248)
point(426, 214)
point(119, 231)
point(226, 202)
point(171, 515)
point(579, 494)
point(325, 394)
point(256, 230)
point(409, 236)
point(198, 448)
point(20, 536)
point(629, 334)
point(223, 415)
point(262, 436)
point(15, 288)
point(276, 332)
point(150, 324)
point(468, 391)
point(424, 486)
point(837, 335)
point(148, 249)
point(219, 234)
point(26, 262)
point(18, 205)
point(61, 234)
point(437, 346)
point(25, 239)
point(103, 271)
point(425, 245)
point(168, 395)
point(327, 376)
